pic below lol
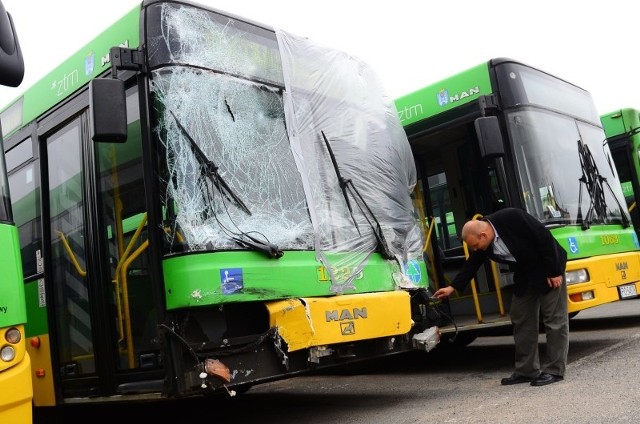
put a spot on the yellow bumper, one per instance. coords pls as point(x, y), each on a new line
point(17, 393)
point(308, 322)
point(606, 273)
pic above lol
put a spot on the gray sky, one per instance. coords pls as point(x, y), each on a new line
point(410, 44)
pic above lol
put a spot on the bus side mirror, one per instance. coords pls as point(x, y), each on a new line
point(489, 137)
point(11, 61)
point(108, 110)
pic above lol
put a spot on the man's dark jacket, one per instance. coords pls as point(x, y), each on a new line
point(537, 253)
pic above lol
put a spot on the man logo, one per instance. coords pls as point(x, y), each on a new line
point(348, 328)
point(345, 314)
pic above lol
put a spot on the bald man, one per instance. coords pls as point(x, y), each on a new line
point(512, 236)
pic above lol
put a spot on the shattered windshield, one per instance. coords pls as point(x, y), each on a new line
point(563, 168)
point(223, 97)
point(270, 142)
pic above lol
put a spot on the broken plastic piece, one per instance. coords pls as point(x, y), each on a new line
point(216, 368)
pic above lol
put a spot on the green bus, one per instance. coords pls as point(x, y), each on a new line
point(622, 128)
point(502, 134)
point(205, 203)
point(15, 363)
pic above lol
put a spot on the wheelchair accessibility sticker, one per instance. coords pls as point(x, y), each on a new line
point(412, 271)
point(573, 245)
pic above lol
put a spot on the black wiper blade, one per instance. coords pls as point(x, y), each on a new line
point(594, 182)
point(345, 185)
point(269, 249)
point(343, 182)
point(212, 169)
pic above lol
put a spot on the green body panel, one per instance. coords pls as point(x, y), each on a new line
point(627, 189)
point(37, 323)
point(12, 307)
point(597, 240)
point(196, 279)
point(625, 123)
point(89, 62)
point(620, 122)
point(444, 95)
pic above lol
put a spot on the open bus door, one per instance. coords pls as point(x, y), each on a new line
point(460, 171)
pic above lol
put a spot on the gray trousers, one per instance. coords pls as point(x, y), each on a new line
point(525, 313)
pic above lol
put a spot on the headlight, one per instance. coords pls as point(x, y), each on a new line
point(577, 276)
point(13, 335)
point(7, 353)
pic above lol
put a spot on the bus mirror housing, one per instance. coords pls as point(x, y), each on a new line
point(489, 137)
point(11, 60)
point(108, 109)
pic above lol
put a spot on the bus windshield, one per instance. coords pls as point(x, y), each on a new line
point(555, 177)
point(263, 144)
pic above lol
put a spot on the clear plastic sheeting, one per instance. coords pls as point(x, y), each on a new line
point(332, 93)
point(233, 136)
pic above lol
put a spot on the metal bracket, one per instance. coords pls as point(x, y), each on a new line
point(488, 102)
point(125, 59)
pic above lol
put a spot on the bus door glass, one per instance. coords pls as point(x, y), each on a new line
point(69, 251)
point(24, 183)
point(123, 227)
point(622, 156)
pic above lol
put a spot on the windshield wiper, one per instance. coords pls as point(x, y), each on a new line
point(347, 185)
point(243, 239)
point(212, 170)
point(342, 181)
point(269, 249)
point(594, 182)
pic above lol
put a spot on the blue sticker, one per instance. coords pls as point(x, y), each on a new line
point(573, 245)
point(413, 271)
point(89, 63)
point(231, 280)
point(443, 97)
point(635, 240)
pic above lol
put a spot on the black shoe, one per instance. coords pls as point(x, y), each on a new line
point(515, 379)
point(545, 378)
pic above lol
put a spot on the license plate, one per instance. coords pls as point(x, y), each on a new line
point(628, 290)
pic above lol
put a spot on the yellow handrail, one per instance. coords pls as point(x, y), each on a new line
point(496, 282)
point(72, 256)
point(125, 299)
point(122, 290)
point(427, 232)
point(474, 290)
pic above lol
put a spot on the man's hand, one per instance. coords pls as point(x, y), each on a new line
point(554, 282)
point(444, 292)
